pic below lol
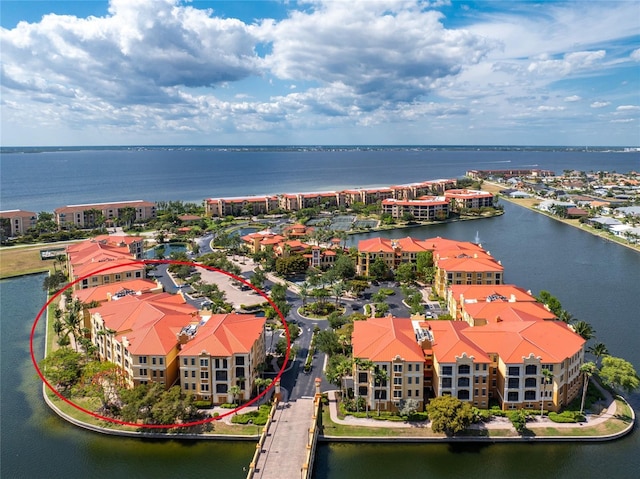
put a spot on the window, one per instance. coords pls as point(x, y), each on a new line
point(185, 361)
point(204, 374)
point(204, 362)
point(477, 367)
point(397, 381)
point(530, 383)
point(380, 394)
point(484, 392)
point(193, 361)
point(409, 367)
point(409, 393)
point(186, 386)
point(153, 361)
point(397, 394)
point(513, 383)
point(186, 374)
point(221, 388)
point(193, 374)
point(512, 396)
point(143, 372)
point(476, 379)
point(417, 380)
point(240, 372)
point(221, 375)
point(204, 387)
point(464, 369)
point(514, 370)
point(362, 391)
point(463, 382)
point(397, 368)
point(409, 380)
point(548, 366)
point(531, 369)
point(362, 377)
point(463, 394)
point(239, 360)
point(529, 395)
point(447, 370)
point(446, 382)
point(143, 360)
point(161, 361)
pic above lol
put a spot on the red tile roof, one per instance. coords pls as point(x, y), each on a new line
point(224, 335)
point(382, 339)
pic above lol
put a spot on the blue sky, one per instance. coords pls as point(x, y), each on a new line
point(316, 72)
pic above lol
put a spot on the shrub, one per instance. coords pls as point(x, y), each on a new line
point(202, 404)
point(258, 417)
point(566, 416)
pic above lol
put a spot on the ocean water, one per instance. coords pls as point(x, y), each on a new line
point(37, 180)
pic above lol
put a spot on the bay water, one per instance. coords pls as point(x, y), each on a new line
point(596, 280)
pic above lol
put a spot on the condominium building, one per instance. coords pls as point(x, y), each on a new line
point(104, 260)
point(456, 267)
point(98, 214)
point(221, 352)
point(139, 334)
point(469, 199)
point(240, 206)
point(500, 361)
point(397, 361)
point(160, 338)
point(425, 209)
point(16, 222)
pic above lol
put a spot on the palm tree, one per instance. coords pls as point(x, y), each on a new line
point(547, 377)
point(360, 365)
point(380, 378)
point(584, 330)
point(565, 316)
point(234, 391)
point(303, 291)
point(587, 370)
point(338, 290)
point(598, 350)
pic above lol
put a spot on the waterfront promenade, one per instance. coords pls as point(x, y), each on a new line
point(539, 428)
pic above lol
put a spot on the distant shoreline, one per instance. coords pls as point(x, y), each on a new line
point(528, 204)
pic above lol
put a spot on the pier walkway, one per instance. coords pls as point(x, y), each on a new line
point(288, 442)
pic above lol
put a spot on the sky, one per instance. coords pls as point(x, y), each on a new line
point(317, 72)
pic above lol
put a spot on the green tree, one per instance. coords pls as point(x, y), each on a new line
point(127, 216)
point(587, 370)
point(583, 329)
point(449, 415)
point(357, 286)
point(552, 302)
point(54, 281)
point(599, 350)
point(258, 278)
point(547, 377)
point(380, 378)
point(62, 368)
point(618, 373)
point(405, 273)
point(379, 269)
point(328, 342)
point(234, 391)
point(304, 290)
point(344, 267)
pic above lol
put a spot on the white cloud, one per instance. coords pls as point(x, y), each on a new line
point(600, 104)
point(635, 55)
point(384, 51)
point(130, 56)
point(573, 98)
point(628, 108)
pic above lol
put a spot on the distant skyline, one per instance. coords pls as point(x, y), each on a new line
point(316, 72)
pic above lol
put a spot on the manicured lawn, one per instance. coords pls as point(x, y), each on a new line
point(18, 261)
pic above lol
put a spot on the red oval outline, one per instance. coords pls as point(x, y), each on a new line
point(160, 426)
